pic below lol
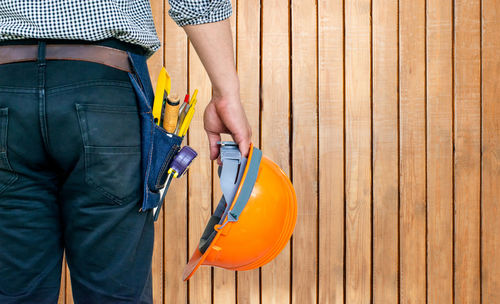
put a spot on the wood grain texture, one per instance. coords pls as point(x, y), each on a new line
point(439, 152)
point(412, 152)
point(156, 61)
point(490, 229)
point(467, 166)
point(200, 186)
point(275, 71)
point(385, 151)
point(331, 152)
point(176, 204)
point(304, 149)
point(248, 65)
point(62, 288)
point(154, 64)
point(358, 150)
point(69, 292)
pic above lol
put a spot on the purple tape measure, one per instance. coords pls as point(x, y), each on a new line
point(178, 168)
point(181, 161)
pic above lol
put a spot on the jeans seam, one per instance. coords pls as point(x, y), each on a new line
point(82, 122)
point(4, 89)
point(41, 94)
point(4, 125)
point(140, 93)
point(14, 176)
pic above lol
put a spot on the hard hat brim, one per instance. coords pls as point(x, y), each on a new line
point(193, 264)
point(198, 257)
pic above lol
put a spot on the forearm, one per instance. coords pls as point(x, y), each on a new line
point(224, 114)
point(214, 44)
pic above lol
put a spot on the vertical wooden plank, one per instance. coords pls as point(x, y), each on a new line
point(69, 291)
point(439, 152)
point(490, 229)
point(62, 288)
point(200, 187)
point(233, 20)
point(385, 151)
point(467, 105)
point(304, 149)
point(331, 151)
point(412, 152)
point(358, 150)
point(275, 128)
point(154, 64)
point(224, 282)
point(247, 55)
point(175, 240)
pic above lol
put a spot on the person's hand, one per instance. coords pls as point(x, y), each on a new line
point(226, 115)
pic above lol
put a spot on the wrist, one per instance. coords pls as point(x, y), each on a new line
point(227, 89)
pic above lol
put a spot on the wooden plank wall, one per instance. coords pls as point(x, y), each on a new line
point(386, 116)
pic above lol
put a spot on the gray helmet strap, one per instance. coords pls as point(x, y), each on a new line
point(233, 165)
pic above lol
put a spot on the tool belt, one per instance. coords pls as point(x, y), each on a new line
point(158, 147)
point(109, 56)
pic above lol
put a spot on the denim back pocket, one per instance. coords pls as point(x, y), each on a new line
point(111, 141)
point(158, 147)
point(7, 175)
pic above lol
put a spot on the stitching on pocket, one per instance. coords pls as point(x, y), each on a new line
point(115, 152)
point(84, 120)
point(100, 159)
point(4, 164)
point(104, 108)
point(4, 161)
point(160, 181)
point(140, 93)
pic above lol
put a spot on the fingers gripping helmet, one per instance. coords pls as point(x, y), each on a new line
point(255, 216)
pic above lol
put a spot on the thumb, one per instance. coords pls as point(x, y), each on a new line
point(244, 146)
point(243, 141)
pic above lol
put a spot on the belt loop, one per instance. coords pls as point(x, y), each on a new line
point(41, 52)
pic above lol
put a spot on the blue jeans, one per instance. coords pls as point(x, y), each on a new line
point(70, 180)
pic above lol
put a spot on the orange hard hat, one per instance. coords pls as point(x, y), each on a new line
point(255, 217)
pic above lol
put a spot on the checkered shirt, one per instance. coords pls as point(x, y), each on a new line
point(127, 20)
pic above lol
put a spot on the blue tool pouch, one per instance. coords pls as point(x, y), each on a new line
point(158, 147)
